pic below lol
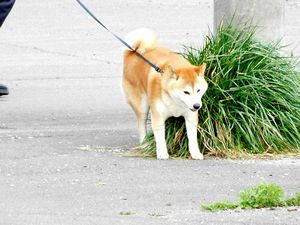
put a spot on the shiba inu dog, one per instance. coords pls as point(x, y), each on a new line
point(176, 92)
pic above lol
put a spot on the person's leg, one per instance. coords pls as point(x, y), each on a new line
point(5, 7)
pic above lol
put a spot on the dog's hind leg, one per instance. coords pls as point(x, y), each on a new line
point(142, 115)
point(138, 101)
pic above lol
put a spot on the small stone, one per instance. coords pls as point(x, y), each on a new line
point(238, 210)
point(126, 213)
point(292, 209)
point(101, 184)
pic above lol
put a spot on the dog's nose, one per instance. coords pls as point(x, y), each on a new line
point(196, 106)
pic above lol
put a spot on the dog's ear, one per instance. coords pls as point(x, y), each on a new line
point(171, 72)
point(201, 69)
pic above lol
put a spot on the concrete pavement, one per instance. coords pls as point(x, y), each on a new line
point(65, 124)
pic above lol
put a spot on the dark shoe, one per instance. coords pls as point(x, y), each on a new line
point(3, 90)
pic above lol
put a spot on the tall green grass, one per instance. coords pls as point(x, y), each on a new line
point(252, 104)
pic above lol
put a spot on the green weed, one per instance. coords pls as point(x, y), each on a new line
point(220, 206)
point(263, 196)
point(293, 201)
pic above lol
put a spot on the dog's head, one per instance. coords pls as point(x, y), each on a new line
point(186, 86)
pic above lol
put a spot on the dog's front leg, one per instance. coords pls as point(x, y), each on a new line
point(158, 127)
point(191, 123)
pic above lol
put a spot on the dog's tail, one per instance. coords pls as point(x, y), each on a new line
point(142, 40)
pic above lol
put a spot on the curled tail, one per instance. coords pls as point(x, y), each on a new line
point(142, 40)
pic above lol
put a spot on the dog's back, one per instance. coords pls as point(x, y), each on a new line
point(136, 71)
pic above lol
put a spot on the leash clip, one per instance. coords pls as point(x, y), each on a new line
point(158, 69)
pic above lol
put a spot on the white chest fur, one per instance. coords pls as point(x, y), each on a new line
point(168, 108)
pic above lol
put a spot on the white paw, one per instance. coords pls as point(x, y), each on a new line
point(197, 156)
point(162, 156)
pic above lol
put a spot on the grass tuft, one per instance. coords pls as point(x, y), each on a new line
point(293, 201)
point(220, 206)
point(263, 196)
point(252, 104)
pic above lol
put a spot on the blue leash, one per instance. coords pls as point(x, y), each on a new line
point(157, 68)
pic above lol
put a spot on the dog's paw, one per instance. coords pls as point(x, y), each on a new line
point(162, 156)
point(197, 156)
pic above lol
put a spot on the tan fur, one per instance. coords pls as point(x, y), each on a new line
point(173, 93)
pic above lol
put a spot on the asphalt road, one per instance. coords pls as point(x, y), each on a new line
point(65, 125)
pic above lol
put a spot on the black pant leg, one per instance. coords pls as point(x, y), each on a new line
point(5, 7)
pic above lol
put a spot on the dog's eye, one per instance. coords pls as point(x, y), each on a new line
point(186, 92)
point(198, 90)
